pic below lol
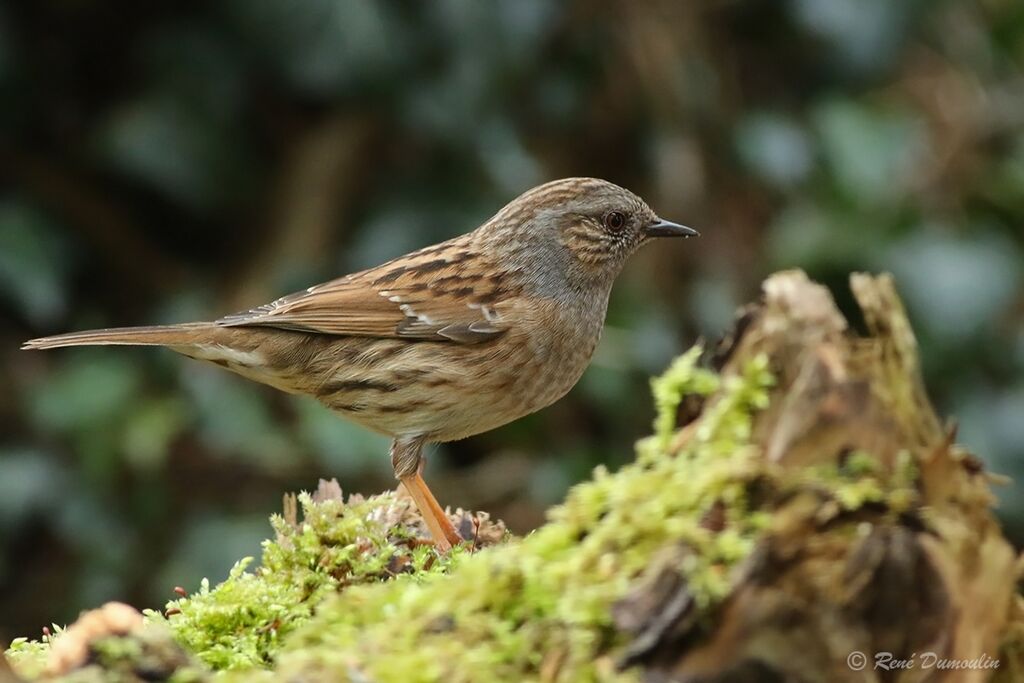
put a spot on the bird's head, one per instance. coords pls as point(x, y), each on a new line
point(585, 227)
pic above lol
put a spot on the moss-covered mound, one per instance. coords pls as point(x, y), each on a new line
point(348, 594)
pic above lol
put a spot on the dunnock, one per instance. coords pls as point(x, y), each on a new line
point(443, 343)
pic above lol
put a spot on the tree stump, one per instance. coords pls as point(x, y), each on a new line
point(915, 589)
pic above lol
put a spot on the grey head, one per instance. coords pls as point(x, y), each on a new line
point(575, 233)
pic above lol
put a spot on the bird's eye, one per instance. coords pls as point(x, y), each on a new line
point(615, 220)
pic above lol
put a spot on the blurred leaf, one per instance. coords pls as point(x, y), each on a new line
point(34, 262)
point(342, 447)
point(604, 383)
point(390, 232)
point(502, 33)
point(234, 419)
point(149, 429)
point(990, 421)
point(489, 44)
point(873, 154)
point(198, 65)
point(450, 106)
point(555, 473)
point(207, 548)
point(102, 542)
point(30, 483)
point(956, 285)
point(714, 301)
point(510, 164)
point(177, 148)
point(775, 148)
point(89, 388)
point(814, 237)
point(1018, 347)
point(550, 478)
point(323, 46)
point(1004, 185)
point(406, 218)
point(863, 34)
point(645, 344)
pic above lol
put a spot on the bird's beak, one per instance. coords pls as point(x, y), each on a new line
point(662, 228)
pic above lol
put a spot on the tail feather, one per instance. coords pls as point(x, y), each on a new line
point(155, 335)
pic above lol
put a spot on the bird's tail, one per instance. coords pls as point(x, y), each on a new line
point(156, 335)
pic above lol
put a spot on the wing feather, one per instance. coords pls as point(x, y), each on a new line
point(435, 294)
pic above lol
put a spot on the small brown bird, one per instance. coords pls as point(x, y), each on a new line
point(443, 343)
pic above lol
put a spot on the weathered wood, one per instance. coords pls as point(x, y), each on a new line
point(932, 574)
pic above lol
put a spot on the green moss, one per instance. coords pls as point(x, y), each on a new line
point(28, 657)
point(682, 378)
point(241, 622)
point(151, 654)
point(861, 479)
point(344, 595)
point(544, 601)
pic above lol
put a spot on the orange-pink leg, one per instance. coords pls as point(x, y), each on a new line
point(441, 528)
point(406, 459)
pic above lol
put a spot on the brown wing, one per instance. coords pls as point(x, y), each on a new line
point(433, 294)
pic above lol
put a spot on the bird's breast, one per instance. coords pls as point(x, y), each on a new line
point(558, 352)
point(447, 391)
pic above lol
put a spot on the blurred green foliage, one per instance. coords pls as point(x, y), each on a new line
point(170, 161)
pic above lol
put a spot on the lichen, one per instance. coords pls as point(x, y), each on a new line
point(339, 597)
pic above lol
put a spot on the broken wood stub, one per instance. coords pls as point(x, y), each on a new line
point(925, 581)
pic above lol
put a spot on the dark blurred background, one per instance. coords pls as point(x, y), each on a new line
point(171, 161)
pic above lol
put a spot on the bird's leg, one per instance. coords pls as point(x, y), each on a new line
point(406, 456)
